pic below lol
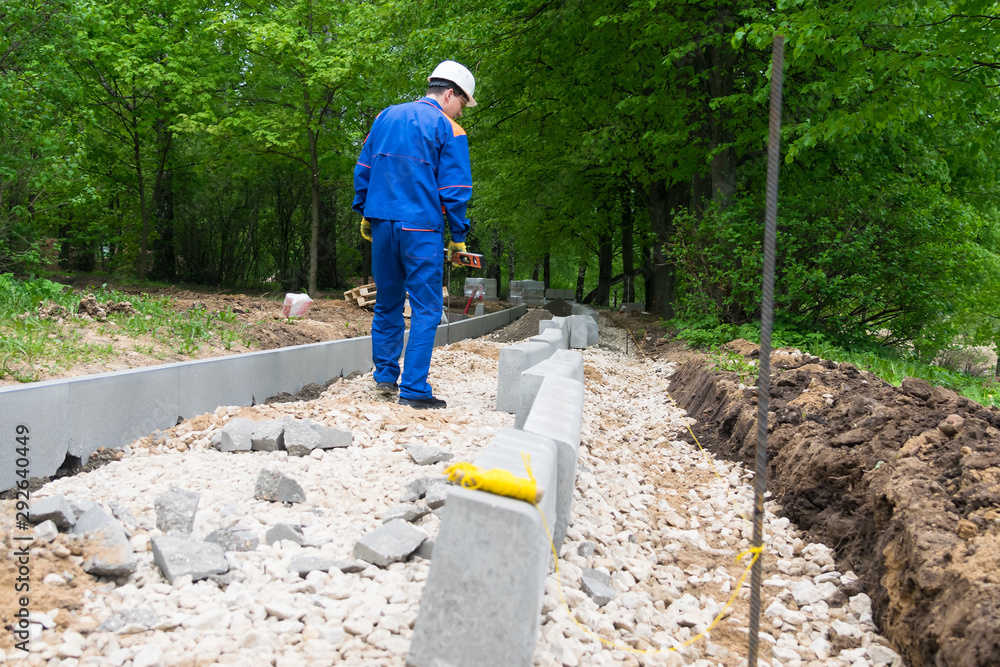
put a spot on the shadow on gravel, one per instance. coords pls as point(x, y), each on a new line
point(903, 482)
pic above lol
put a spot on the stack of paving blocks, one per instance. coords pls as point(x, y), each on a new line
point(489, 286)
point(483, 598)
point(528, 292)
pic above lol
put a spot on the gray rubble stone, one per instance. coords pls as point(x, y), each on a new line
point(391, 542)
point(330, 438)
point(586, 549)
point(46, 531)
point(417, 488)
point(350, 565)
point(108, 552)
point(92, 519)
point(425, 550)
point(112, 623)
point(300, 438)
point(405, 512)
point(56, 508)
point(436, 495)
point(223, 580)
point(175, 509)
point(303, 565)
point(81, 505)
point(141, 616)
point(597, 585)
point(425, 455)
point(284, 531)
point(236, 435)
point(233, 539)
point(276, 487)
point(215, 442)
point(268, 436)
point(122, 514)
point(177, 556)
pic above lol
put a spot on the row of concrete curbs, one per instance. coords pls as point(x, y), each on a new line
point(482, 601)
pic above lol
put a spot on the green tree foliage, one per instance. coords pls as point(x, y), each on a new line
point(39, 151)
point(616, 143)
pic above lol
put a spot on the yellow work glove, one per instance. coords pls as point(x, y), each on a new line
point(455, 247)
point(366, 229)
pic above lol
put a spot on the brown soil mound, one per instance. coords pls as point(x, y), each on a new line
point(90, 306)
point(903, 483)
point(524, 327)
point(559, 308)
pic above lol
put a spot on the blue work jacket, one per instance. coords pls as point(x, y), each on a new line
point(413, 167)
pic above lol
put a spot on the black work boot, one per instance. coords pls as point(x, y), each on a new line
point(423, 403)
point(387, 388)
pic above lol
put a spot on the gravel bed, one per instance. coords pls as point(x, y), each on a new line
point(650, 512)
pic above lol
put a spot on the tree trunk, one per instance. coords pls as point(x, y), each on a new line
point(605, 260)
point(581, 279)
point(546, 270)
point(661, 202)
point(647, 277)
point(534, 273)
point(314, 237)
point(164, 260)
point(721, 58)
point(628, 220)
point(143, 211)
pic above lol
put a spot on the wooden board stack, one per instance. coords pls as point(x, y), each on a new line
point(364, 295)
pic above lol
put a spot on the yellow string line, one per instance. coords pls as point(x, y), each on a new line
point(756, 551)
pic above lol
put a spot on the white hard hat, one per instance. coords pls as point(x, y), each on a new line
point(458, 74)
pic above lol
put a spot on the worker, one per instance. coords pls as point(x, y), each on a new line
point(412, 176)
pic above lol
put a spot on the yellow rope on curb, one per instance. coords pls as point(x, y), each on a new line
point(497, 480)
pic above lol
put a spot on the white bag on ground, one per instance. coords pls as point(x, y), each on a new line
point(295, 305)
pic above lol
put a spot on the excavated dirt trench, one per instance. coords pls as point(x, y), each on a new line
point(904, 483)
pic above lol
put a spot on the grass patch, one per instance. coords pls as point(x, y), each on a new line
point(32, 344)
point(952, 369)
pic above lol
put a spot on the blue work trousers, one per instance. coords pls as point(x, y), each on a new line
point(406, 259)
